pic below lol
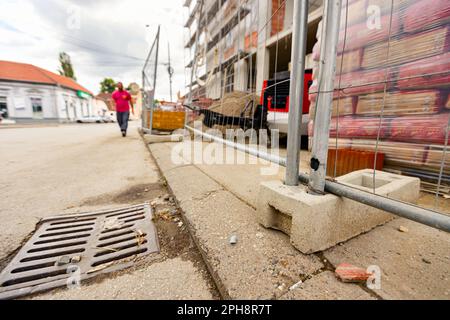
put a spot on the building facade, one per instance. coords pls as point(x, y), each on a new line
point(240, 43)
point(136, 95)
point(29, 93)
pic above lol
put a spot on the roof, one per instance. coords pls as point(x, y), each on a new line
point(23, 72)
point(107, 98)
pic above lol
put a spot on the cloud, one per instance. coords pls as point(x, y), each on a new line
point(105, 38)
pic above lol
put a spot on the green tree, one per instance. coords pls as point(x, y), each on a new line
point(108, 85)
point(66, 68)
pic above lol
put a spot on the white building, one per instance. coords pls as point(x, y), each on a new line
point(99, 107)
point(31, 93)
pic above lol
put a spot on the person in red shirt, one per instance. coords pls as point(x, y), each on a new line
point(123, 102)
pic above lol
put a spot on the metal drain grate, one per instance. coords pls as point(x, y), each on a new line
point(95, 242)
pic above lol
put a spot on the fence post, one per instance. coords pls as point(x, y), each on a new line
point(299, 39)
point(327, 73)
point(152, 102)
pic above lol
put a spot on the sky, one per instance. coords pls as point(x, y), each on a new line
point(104, 38)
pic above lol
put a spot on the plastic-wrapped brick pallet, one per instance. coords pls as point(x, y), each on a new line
point(394, 70)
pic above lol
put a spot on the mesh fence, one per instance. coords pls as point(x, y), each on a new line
point(391, 107)
point(227, 55)
point(149, 77)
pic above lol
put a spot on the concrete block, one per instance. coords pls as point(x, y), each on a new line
point(316, 223)
point(151, 138)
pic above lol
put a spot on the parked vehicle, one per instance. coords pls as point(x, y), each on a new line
point(271, 113)
point(109, 116)
point(90, 119)
point(275, 97)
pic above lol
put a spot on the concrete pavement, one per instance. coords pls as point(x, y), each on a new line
point(218, 201)
point(170, 279)
point(75, 168)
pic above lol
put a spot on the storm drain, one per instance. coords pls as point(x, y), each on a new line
point(70, 248)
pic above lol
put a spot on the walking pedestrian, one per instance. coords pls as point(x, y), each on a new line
point(123, 102)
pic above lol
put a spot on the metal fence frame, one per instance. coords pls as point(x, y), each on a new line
point(316, 181)
point(402, 209)
point(327, 72)
point(148, 102)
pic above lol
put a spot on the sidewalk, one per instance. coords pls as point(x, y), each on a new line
point(218, 202)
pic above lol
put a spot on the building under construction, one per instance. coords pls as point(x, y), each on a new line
point(391, 87)
point(240, 43)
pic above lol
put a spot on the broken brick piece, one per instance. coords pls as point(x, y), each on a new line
point(350, 273)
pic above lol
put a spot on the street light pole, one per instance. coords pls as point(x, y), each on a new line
point(170, 71)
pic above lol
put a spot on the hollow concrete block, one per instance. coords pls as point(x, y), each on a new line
point(151, 138)
point(316, 223)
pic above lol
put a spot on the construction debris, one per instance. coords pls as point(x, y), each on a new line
point(63, 261)
point(237, 104)
point(234, 103)
point(112, 223)
point(140, 237)
point(233, 240)
point(350, 273)
point(75, 259)
point(156, 202)
point(295, 286)
point(164, 214)
point(282, 287)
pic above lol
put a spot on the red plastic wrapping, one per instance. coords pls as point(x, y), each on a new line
point(430, 12)
point(393, 71)
point(433, 72)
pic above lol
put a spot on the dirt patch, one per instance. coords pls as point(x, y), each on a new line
point(134, 195)
point(139, 192)
point(172, 239)
point(175, 241)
